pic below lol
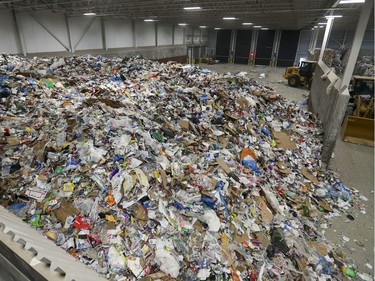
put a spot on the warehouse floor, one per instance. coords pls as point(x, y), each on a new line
point(354, 163)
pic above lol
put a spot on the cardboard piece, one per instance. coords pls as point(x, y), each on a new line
point(262, 238)
point(321, 248)
point(65, 210)
point(163, 175)
point(309, 176)
point(326, 207)
point(283, 140)
point(283, 168)
point(241, 238)
point(265, 212)
point(13, 140)
point(184, 124)
point(224, 165)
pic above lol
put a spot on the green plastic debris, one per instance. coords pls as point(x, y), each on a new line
point(158, 136)
point(49, 84)
point(35, 220)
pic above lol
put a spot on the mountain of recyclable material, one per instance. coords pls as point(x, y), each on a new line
point(148, 171)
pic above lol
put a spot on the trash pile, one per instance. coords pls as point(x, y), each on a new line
point(365, 66)
point(336, 59)
point(147, 171)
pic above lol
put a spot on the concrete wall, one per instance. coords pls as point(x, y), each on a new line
point(55, 33)
point(329, 104)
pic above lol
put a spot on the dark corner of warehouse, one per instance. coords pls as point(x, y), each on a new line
point(187, 140)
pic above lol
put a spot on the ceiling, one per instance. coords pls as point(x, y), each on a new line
point(272, 14)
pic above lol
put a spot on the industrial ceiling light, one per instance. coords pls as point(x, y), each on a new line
point(89, 14)
point(217, 28)
point(148, 20)
point(229, 18)
point(203, 26)
point(333, 16)
point(315, 26)
point(257, 26)
point(247, 23)
point(322, 23)
point(192, 8)
point(264, 28)
point(351, 1)
point(182, 24)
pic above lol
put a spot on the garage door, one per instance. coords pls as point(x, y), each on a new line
point(264, 47)
point(243, 41)
point(288, 47)
point(223, 45)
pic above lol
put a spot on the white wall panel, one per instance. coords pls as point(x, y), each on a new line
point(36, 38)
point(145, 34)
point(8, 41)
point(119, 33)
point(93, 37)
point(178, 35)
point(164, 34)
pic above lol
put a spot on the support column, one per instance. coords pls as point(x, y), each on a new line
point(232, 47)
point(68, 31)
point(190, 55)
point(325, 38)
point(134, 35)
point(253, 47)
point(173, 34)
point(313, 46)
point(296, 58)
point(275, 48)
point(104, 39)
point(20, 45)
point(156, 34)
point(183, 35)
point(357, 42)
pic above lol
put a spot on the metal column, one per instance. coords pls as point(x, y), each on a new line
point(253, 47)
point(20, 44)
point(276, 46)
point(104, 39)
point(232, 47)
point(68, 31)
point(357, 42)
point(326, 36)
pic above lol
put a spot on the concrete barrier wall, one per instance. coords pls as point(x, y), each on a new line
point(328, 102)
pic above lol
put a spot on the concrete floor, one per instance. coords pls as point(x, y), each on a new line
point(354, 163)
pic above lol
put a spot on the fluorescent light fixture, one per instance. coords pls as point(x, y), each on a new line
point(315, 26)
point(229, 18)
point(321, 26)
point(322, 23)
point(351, 1)
point(182, 24)
point(312, 28)
point(89, 14)
point(192, 8)
point(257, 26)
point(148, 20)
point(247, 23)
point(264, 28)
point(203, 26)
point(217, 28)
point(333, 16)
